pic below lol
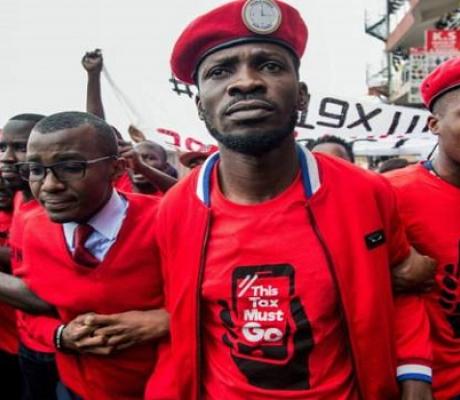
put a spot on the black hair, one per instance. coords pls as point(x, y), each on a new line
point(392, 164)
point(28, 117)
point(75, 119)
point(335, 140)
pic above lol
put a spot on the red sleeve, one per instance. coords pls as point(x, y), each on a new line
point(42, 328)
point(398, 245)
point(413, 345)
point(412, 329)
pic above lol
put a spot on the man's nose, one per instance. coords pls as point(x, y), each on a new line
point(8, 156)
point(247, 80)
point(50, 183)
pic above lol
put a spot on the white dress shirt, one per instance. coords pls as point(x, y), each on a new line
point(106, 224)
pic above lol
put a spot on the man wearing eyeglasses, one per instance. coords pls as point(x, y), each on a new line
point(79, 256)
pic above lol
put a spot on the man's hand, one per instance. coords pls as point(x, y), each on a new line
point(415, 273)
point(92, 61)
point(123, 330)
point(416, 390)
point(134, 160)
point(136, 135)
point(78, 335)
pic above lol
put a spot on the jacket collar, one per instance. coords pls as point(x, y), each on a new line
point(308, 167)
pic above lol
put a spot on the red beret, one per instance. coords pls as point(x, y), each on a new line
point(442, 80)
point(237, 22)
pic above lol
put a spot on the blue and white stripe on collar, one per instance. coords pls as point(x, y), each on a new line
point(308, 167)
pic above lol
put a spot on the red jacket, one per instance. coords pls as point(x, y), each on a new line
point(347, 207)
point(429, 209)
point(129, 278)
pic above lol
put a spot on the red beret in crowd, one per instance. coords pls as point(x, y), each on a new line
point(443, 79)
point(233, 23)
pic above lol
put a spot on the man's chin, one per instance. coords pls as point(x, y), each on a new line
point(251, 144)
point(59, 217)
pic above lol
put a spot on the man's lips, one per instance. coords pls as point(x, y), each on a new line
point(57, 204)
point(249, 106)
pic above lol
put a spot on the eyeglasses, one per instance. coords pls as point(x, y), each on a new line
point(64, 171)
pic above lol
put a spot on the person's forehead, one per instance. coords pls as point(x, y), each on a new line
point(147, 148)
point(17, 130)
point(79, 140)
point(333, 148)
point(247, 50)
point(451, 100)
point(251, 49)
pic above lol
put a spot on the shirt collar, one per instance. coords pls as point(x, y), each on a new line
point(107, 221)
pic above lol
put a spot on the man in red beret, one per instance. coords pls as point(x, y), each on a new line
point(276, 261)
point(429, 197)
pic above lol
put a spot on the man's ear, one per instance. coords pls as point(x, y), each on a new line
point(433, 124)
point(303, 98)
point(199, 107)
point(120, 166)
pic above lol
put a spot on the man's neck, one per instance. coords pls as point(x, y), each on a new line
point(447, 169)
point(254, 179)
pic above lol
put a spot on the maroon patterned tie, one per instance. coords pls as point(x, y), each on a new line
point(81, 254)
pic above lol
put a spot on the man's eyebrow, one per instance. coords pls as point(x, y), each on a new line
point(61, 156)
point(221, 60)
point(69, 155)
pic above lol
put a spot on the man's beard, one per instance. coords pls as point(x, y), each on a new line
point(253, 144)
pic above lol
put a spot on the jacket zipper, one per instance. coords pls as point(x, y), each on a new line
point(199, 361)
point(333, 273)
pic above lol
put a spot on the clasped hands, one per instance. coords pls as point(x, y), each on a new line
point(99, 334)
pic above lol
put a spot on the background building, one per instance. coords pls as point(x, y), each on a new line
point(418, 35)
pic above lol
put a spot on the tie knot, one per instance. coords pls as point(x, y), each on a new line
point(82, 234)
point(81, 254)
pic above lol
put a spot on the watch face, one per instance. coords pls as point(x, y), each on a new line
point(261, 16)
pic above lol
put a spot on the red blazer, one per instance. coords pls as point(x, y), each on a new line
point(345, 205)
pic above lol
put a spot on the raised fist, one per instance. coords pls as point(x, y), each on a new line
point(92, 61)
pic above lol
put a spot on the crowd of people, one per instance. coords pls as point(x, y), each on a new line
point(271, 271)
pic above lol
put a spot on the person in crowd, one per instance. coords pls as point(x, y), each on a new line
point(279, 273)
point(98, 247)
point(428, 194)
point(38, 368)
point(149, 165)
point(141, 178)
point(335, 146)
point(9, 363)
point(392, 164)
